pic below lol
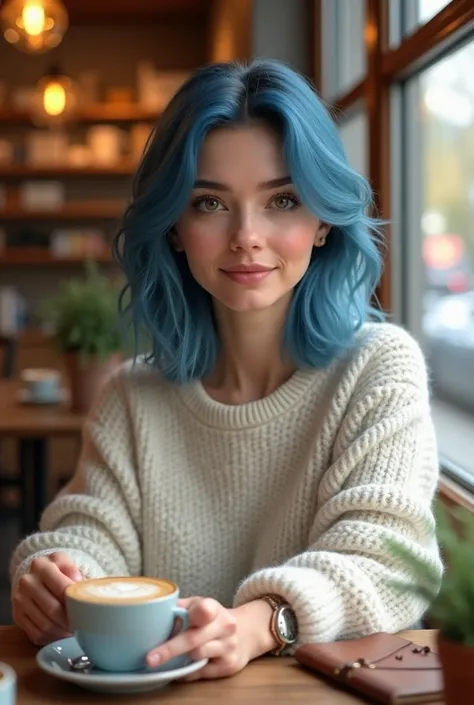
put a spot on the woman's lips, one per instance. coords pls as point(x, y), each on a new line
point(247, 276)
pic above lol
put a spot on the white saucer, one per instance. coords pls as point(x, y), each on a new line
point(25, 396)
point(53, 660)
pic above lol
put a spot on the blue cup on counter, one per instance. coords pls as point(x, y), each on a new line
point(118, 620)
point(7, 685)
point(42, 385)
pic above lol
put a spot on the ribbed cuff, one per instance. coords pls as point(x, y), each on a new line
point(317, 603)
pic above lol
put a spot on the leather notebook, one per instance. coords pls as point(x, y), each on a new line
point(383, 667)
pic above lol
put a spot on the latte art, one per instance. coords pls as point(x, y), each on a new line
point(120, 591)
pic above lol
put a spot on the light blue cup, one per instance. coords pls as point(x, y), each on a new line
point(7, 685)
point(43, 385)
point(117, 634)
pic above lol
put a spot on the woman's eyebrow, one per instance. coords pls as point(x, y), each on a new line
point(219, 186)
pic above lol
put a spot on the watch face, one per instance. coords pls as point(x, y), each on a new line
point(287, 625)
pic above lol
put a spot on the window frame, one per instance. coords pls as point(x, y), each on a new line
point(391, 59)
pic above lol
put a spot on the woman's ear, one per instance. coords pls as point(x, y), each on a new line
point(174, 240)
point(321, 234)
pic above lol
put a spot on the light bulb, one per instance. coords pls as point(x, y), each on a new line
point(54, 99)
point(34, 19)
point(33, 26)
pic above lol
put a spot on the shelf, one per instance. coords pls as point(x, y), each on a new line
point(33, 256)
point(33, 337)
point(95, 113)
point(88, 210)
point(17, 171)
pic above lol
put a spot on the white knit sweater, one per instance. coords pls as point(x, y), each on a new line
point(295, 494)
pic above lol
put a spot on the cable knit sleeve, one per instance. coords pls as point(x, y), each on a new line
point(379, 486)
point(96, 519)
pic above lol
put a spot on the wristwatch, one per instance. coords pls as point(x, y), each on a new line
point(283, 625)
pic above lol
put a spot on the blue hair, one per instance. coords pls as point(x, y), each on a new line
point(332, 300)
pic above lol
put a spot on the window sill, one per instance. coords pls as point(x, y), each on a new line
point(455, 432)
point(453, 495)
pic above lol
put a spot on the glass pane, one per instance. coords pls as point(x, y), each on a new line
point(429, 8)
point(354, 135)
point(444, 127)
point(407, 15)
point(343, 47)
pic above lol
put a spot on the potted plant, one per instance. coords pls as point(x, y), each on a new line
point(83, 317)
point(451, 608)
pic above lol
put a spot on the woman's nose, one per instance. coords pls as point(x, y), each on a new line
point(246, 236)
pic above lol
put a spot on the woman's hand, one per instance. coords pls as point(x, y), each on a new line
point(38, 599)
point(229, 638)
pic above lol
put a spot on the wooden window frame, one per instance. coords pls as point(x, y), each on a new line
point(386, 66)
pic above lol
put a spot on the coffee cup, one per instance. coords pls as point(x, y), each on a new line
point(118, 620)
point(42, 384)
point(7, 685)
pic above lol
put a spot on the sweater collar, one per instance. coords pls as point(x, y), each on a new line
point(254, 413)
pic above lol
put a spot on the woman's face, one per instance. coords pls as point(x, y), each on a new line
point(247, 238)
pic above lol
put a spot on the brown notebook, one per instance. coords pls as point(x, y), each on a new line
point(384, 667)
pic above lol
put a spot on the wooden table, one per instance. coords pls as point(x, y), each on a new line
point(33, 425)
point(265, 681)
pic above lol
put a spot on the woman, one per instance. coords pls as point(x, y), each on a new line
point(275, 438)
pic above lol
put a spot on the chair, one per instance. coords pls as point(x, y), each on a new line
point(8, 347)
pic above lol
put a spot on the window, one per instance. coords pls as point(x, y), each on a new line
point(344, 59)
point(426, 9)
point(353, 131)
point(407, 15)
point(409, 127)
point(439, 173)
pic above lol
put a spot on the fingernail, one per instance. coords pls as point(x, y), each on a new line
point(154, 659)
point(77, 576)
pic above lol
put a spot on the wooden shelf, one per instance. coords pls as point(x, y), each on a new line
point(32, 337)
point(87, 210)
point(33, 256)
point(95, 113)
point(17, 171)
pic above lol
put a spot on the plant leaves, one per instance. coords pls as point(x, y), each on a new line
point(84, 315)
point(452, 607)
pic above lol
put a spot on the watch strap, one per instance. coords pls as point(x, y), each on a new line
point(275, 602)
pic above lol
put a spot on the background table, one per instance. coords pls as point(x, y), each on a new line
point(267, 681)
point(33, 425)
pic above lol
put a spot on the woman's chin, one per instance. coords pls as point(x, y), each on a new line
point(248, 303)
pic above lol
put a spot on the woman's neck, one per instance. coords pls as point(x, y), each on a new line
point(250, 365)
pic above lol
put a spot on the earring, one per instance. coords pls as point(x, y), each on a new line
point(322, 241)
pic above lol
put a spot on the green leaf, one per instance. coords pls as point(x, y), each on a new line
point(84, 315)
point(452, 607)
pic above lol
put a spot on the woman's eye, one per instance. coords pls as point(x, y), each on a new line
point(207, 204)
point(285, 202)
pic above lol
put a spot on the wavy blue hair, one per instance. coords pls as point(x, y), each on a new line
point(332, 300)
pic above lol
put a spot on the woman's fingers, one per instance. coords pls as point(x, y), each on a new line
point(203, 611)
point(66, 565)
point(209, 621)
point(188, 601)
point(183, 643)
point(50, 575)
point(210, 650)
point(38, 598)
point(48, 629)
point(52, 609)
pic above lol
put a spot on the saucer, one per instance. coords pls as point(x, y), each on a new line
point(25, 396)
point(53, 659)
